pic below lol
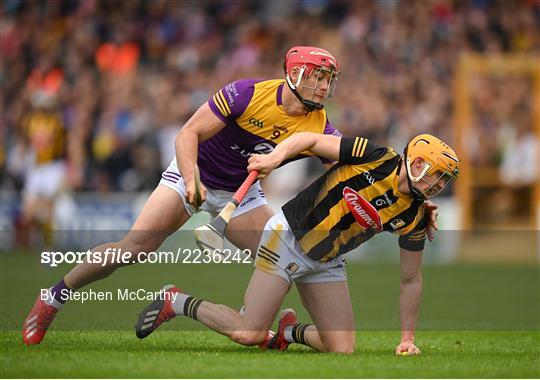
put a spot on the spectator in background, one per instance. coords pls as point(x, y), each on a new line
point(518, 170)
point(520, 158)
point(45, 143)
point(135, 68)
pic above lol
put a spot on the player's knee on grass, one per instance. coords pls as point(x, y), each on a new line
point(343, 343)
point(340, 348)
point(248, 338)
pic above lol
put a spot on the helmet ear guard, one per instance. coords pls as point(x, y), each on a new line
point(438, 158)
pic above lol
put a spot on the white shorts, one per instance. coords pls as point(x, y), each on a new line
point(215, 199)
point(280, 254)
point(44, 180)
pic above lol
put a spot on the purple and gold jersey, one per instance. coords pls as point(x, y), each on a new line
point(255, 123)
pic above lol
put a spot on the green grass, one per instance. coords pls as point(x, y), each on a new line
point(203, 354)
point(456, 297)
point(475, 321)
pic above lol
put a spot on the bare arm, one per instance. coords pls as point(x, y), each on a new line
point(326, 146)
point(200, 127)
point(409, 300)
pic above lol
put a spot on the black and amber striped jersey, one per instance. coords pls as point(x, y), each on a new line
point(322, 221)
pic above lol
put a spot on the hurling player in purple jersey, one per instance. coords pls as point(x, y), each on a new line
point(242, 118)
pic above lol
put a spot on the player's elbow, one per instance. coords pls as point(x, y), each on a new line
point(187, 132)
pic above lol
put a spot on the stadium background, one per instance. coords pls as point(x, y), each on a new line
point(123, 76)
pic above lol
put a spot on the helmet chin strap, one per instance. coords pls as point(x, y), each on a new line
point(416, 194)
point(309, 105)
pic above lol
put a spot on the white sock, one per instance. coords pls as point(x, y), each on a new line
point(288, 334)
point(179, 302)
point(242, 311)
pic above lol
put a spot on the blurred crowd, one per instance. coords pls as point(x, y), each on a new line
point(104, 86)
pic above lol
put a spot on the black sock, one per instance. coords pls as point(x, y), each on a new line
point(191, 306)
point(296, 333)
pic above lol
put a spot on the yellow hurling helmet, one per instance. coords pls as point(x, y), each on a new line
point(440, 160)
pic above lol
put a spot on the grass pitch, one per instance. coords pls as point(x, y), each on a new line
point(197, 354)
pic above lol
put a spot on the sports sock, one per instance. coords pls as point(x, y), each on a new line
point(186, 305)
point(60, 293)
point(242, 311)
point(296, 333)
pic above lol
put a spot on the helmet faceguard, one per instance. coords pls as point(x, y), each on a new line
point(311, 61)
point(440, 162)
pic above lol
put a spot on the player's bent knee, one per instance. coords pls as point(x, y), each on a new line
point(343, 344)
point(248, 338)
point(340, 348)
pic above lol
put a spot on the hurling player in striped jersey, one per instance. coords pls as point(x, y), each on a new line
point(372, 189)
point(243, 118)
